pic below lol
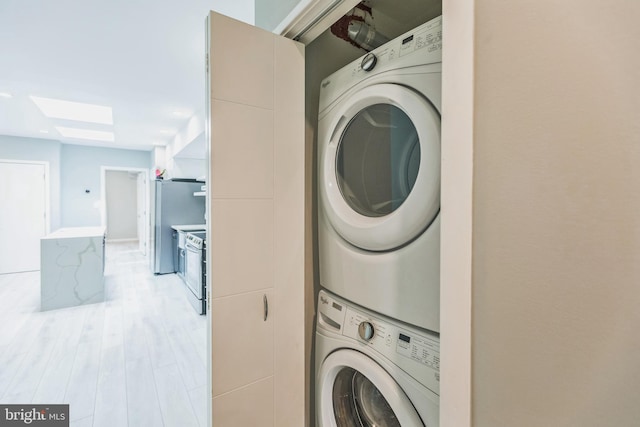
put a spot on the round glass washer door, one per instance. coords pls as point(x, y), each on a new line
point(380, 167)
point(354, 391)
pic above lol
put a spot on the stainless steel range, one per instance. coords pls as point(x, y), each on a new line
point(195, 270)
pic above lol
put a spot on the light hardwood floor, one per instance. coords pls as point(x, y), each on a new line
point(138, 359)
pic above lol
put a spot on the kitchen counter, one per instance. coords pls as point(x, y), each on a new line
point(72, 267)
point(189, 227)
point(65, 233)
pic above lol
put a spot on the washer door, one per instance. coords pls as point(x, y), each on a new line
point(380, 167)
point(354, 391)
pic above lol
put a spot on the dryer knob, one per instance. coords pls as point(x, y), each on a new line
point(366, 331)
point(369, 61)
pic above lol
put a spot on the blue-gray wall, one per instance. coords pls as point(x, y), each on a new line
point(80, 170)
point(43, 150)
point(72, 170)
point(269, 14)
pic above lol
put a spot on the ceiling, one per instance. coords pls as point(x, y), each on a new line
point(143, 58)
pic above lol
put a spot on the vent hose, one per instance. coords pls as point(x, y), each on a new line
point(357, 28)
point(365, 36)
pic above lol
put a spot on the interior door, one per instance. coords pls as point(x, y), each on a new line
point(23, 218)
point(256, 216)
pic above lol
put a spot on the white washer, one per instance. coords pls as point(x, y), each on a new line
point(373, 371)
point(379, 178)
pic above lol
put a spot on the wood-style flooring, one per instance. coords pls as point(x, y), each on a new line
point(138, 359)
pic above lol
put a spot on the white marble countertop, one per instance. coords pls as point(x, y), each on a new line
point(192, 227)
point(72, 232)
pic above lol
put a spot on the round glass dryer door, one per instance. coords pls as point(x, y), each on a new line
point(356, 392)
point(380, 168)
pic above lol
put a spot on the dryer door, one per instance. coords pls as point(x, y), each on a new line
point(354, 391)
point(380, 167)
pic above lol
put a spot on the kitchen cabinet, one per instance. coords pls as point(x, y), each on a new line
point(256, 211)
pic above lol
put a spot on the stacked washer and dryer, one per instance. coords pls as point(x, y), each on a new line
point(377, 330)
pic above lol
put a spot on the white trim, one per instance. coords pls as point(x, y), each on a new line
point(457, 214)
point(147, 204)
point(207, 213)
point(120, 240)
point(47, 188)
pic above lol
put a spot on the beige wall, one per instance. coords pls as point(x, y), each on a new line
point(556, 214)
point(122, 205)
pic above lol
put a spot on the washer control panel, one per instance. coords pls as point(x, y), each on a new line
point(417, 352)
point(419, 348)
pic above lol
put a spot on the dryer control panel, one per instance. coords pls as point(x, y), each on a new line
point(414, 350)
point(420, 46)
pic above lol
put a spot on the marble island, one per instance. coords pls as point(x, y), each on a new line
point(72, 267)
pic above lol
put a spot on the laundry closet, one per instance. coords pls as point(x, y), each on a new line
point(264, 97)
point(540, 227)
point(376, 145)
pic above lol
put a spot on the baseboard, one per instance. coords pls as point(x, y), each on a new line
point(120, 240)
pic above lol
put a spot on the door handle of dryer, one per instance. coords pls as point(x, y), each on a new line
point(265, 302)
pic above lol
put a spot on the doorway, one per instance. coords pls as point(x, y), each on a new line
point(24, 214)
point(125, 205)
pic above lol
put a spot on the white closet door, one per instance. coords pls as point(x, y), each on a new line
point(256, 212)
point(22, 215)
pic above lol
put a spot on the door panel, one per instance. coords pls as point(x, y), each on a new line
point(247, 239)
point(241, 64)
point(244, 157)
point(22, 216)
point(242, 341)
point(233, 406)
point(289, 218)
point(256, 207)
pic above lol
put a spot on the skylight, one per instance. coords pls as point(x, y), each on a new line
point(77, 111)
point(97, 135)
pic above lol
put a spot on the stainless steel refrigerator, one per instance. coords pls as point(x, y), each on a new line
point(175, 204)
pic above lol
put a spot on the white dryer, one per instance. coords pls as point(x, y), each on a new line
point(373, 371)
point(379, 178)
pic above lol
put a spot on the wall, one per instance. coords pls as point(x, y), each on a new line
point(122, 205)
point(185, 155)
point(188, 168)
point(268, 14)
point(556, 214)
point(18, 148)
point(242, 10)
point(81, 170)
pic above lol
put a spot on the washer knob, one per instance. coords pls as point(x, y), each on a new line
point(366, 331)
point(369, 61)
